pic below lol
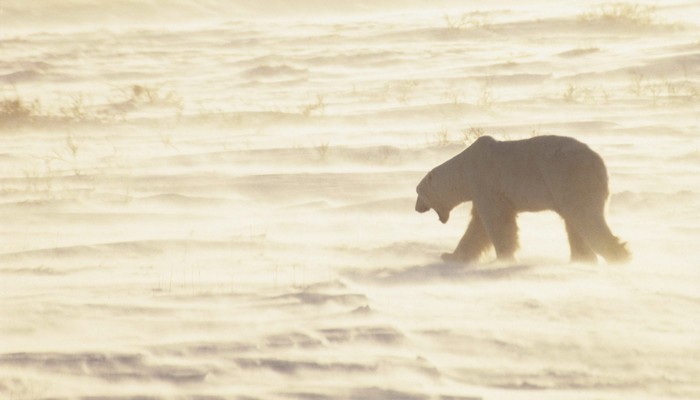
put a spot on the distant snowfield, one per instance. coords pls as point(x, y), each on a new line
point(219, 204)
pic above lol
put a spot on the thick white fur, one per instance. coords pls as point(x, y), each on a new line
point(505, 178)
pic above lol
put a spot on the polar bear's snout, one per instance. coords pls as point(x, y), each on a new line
point(421, 207)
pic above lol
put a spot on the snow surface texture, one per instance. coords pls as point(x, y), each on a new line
point(214, 200)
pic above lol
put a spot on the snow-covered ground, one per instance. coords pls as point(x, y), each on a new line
point(214, 200)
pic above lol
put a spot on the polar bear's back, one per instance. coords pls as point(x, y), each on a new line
point(574, 174)
point(546, 172)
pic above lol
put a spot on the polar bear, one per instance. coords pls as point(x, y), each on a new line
point(503, 178)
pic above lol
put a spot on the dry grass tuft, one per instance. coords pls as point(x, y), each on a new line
point(639, 15)
point(15, 110)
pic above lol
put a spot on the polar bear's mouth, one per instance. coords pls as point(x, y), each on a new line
point(422, 207)
point(443, 216)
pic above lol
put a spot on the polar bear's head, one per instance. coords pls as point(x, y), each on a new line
point(433, 193)
point(448, 184)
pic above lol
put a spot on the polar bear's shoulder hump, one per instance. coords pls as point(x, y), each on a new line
point(483, 140)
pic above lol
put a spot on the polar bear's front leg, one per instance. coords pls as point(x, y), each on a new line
point(474, 242)
point(499, 220)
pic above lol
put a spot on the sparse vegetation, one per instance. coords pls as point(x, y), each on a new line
point(322, 150)
point(318, 107)
point(150, 95)
point(442, 137)
point(472, 20)
point(622, 13)
point(485, 97)
point(654, 91)
point(76, 111)
point(585, 94)
point(455, 95)
point(537, 131)
point(472, 133)
point(141, 97)
point(167, 141)
point(72, 145)
point(80, 107)
point(637, 79)
point(15, 110)
point(663, 90)
point(570, 93)
point(404, 89)
point(39, 182)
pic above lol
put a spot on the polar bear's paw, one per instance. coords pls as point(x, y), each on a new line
point(454, 258)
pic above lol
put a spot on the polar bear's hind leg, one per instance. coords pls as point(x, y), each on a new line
point(595, 232)
point(580, 251)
